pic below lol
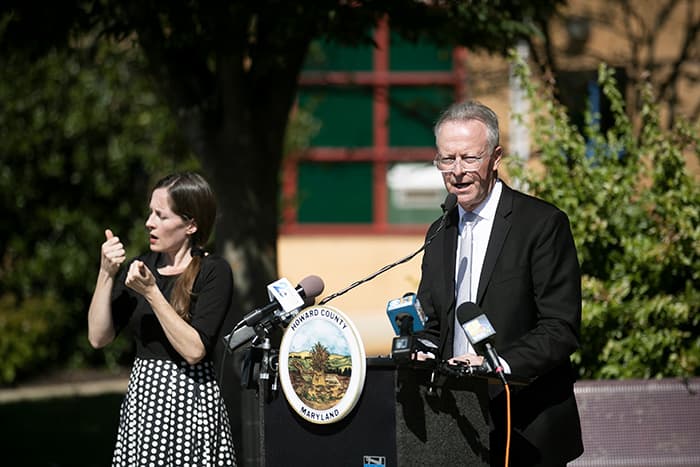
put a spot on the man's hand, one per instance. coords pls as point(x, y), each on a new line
point(423, 356)
point(467, 359)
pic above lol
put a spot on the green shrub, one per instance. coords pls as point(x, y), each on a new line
point(635, 214)
point(29, 332)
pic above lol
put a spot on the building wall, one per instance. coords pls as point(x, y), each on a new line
point(342, 260)
point(622, 39)
point(636, 41)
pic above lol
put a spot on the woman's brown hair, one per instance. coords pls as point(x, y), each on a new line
point(193, 200)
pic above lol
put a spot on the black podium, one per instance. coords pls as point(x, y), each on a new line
point(406, 416)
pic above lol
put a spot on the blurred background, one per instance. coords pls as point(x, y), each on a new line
point(313, 122)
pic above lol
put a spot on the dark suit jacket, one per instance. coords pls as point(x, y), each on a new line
point(530, 289)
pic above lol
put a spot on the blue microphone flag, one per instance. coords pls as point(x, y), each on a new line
point(406, 305)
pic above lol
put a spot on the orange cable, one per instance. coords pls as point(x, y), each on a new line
point(507, 423)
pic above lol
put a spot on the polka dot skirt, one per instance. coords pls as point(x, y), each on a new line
point(173, 415)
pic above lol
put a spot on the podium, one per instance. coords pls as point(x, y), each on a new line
point(406, 416)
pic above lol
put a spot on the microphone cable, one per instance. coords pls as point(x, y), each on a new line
point(447, 206)
point(223, 359)
point(501, 373)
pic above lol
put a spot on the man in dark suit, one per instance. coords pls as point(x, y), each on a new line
point(521, 269)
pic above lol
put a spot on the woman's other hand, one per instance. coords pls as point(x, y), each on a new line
point(113, 254)
point(139, 278)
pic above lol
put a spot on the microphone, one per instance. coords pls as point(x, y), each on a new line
point(480, 332)
point(285, 301)
point(447, 206)
point(310, 286)
point(406, 314)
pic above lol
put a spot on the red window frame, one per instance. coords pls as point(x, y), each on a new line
point(380, 154)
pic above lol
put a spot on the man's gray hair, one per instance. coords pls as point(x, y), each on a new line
point(472, 110)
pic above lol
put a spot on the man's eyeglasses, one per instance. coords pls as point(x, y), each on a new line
point(449, 163)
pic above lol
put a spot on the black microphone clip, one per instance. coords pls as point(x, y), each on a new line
point(449, 203)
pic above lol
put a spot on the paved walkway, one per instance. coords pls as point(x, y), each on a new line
point(68, 389)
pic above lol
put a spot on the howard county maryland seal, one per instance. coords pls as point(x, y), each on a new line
point(322, 364)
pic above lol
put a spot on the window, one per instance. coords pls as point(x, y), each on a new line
point(369, 167)
point(579, 92)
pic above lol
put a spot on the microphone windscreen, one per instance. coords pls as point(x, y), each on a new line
point(467, 311)
point(312, 286)
point(450, 202)
point(476, 324)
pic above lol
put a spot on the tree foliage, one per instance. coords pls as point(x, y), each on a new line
point(83, 134)
point(82, 137)
point(319, 357)
point(227, 72)
point(635, 214)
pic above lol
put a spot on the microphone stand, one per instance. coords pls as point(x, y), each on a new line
point(447, 206)
point(258, 356)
